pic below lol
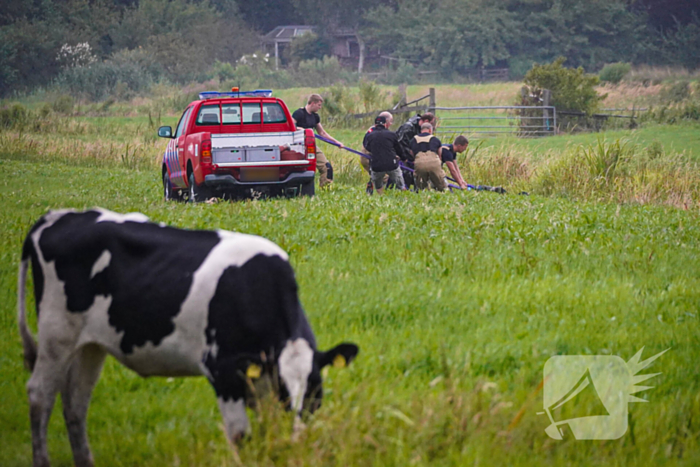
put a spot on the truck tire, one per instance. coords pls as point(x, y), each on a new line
point(308, 189)
point(169, 193)
point(197, 193)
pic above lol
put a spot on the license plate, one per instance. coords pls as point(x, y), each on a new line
point(260, 174)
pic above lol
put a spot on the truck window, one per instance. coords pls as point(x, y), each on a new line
point(208, 115)
point(273, 113)
point(231, 114)
point(181, 125)
point(251, 113)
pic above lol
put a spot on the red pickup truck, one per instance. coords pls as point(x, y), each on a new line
point(232, 144)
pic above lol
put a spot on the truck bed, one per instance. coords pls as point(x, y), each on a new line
point(258, 149)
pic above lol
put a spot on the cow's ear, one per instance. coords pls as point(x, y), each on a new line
point(252, 365)
point(339, 356)
point(245, 365)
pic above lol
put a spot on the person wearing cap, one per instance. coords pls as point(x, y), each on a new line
point(383, 145)
point(307, 117)
point(448, 154)
point(426, 148)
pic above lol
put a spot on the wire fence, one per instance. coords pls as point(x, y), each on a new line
point(476, 121)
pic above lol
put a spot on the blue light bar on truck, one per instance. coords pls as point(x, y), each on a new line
point(219, 95)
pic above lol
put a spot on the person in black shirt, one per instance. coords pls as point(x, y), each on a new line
point(384, 147)
point(448, 154)
point(412, 127)
point(406, 133)
point(426, 148)
point(307, 117)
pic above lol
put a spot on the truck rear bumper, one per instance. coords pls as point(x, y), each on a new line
point(229, 181)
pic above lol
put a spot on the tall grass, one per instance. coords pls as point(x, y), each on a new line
point(617, 170)
point(658, 74)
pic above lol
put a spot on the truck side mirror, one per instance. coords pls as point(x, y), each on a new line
point(165, 132)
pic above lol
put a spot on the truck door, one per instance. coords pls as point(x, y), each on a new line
point(208, 121)
point(177, 164)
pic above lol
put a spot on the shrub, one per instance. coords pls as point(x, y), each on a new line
point(404, 74)
point(63, 104)
point(337, 101)
point(371, 95)
point(319, 72)
point(224, 71)
point(614, 72)
point(572, 89)
point(675, 92)
point(254, 71)
point(14, 116)
point(341, 101)
point(124, 75)
point(77, 55)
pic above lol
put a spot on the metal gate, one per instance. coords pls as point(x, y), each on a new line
point(520, 121)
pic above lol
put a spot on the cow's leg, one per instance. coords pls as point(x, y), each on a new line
point(47, 378)
point(76, 392)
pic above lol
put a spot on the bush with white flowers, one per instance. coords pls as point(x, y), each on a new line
point(78, 55)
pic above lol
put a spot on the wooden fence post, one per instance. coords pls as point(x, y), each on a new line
point(431, 101)
point(546, 113)
point(403, 96)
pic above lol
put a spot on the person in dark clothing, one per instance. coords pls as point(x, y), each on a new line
point(448, 154)
point(307, 117)
point(406, 133)
point(412, 127)
point(384, 147)
point(426, 148)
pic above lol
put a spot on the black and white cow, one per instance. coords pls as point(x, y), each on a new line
point(164, 302)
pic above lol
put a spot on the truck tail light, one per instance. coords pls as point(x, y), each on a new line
point(206, 151)
point(310, 144)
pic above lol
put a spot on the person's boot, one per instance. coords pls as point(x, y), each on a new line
point(370, 188)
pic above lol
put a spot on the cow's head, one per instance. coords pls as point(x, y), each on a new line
point(297, 372)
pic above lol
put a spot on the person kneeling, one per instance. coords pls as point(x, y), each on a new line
point(428, 165)
point(449, 152)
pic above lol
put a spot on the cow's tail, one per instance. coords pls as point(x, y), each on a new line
point(28, 342)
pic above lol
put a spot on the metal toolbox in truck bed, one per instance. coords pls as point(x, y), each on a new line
point(262, 154)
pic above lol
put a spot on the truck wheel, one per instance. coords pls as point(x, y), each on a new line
point(308, 189)
point(197, 193)
point(169, 192)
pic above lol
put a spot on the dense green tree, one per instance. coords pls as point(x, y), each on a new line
point(667, 15)
point(682, 46)
point(265, 15)
point(451, 35)
point(588, 33)
point(184, 38)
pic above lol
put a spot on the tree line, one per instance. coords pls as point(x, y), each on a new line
point(138, 41)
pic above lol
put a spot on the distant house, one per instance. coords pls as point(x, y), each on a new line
point(345, 45)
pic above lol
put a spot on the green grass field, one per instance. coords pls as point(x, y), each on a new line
point(456, 300)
